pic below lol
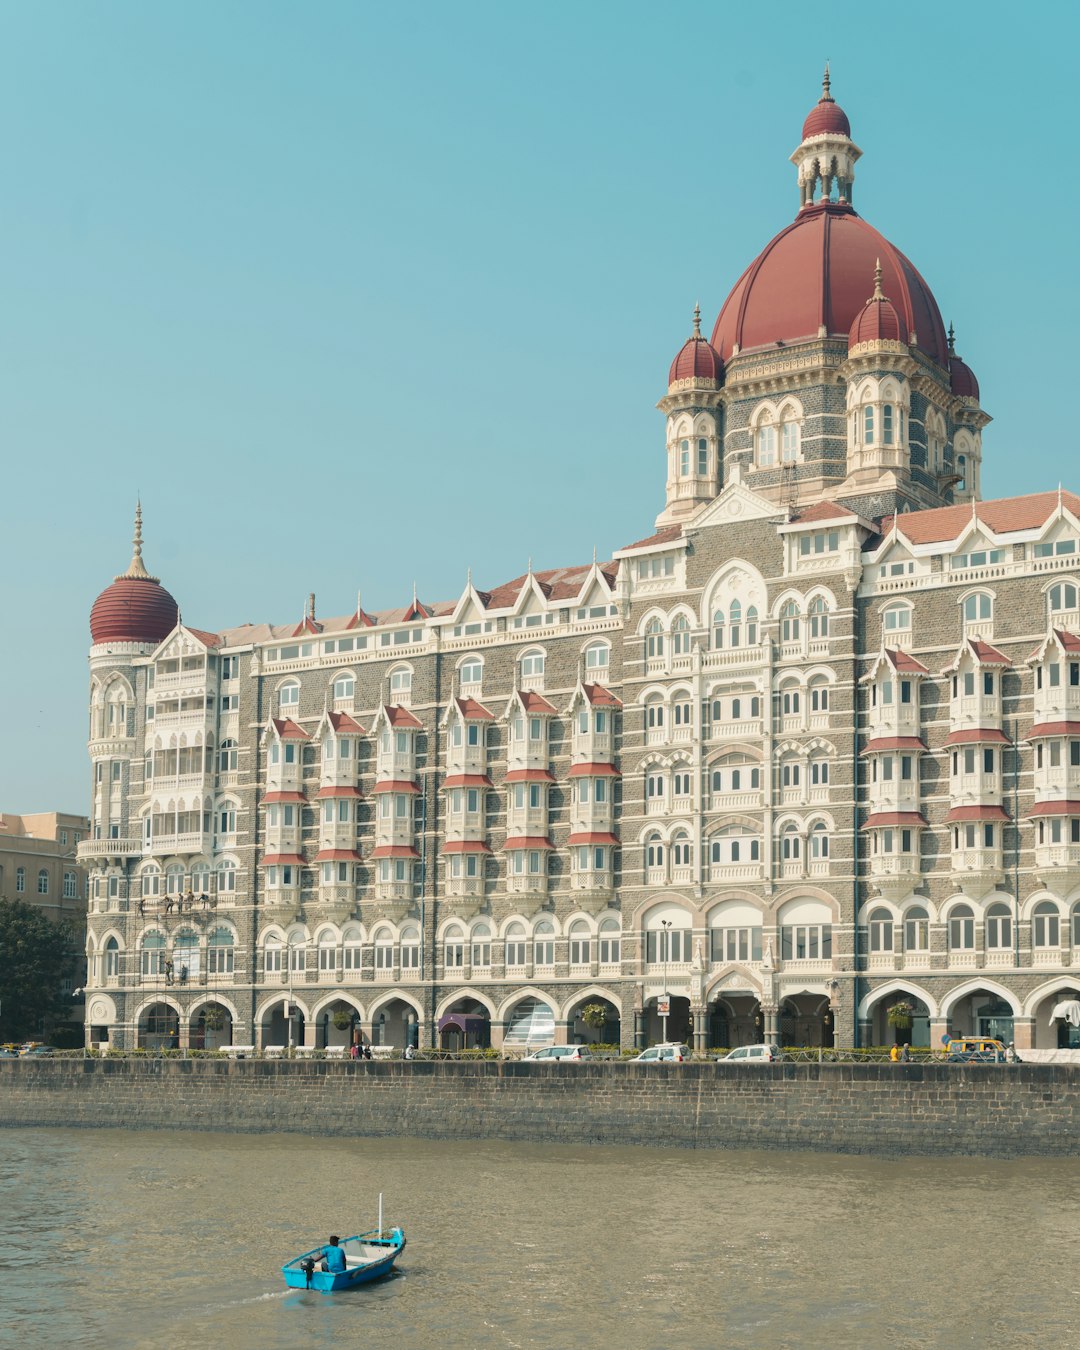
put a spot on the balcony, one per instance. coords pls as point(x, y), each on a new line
point(395, 765)
point(736, 801)
point(109, 848)
point(281, 905)
point(1058, 865)
point(177, 843)
point(976, 711)
point(527, 883)
point(895, 873)
point(593, 891)
point(742, 728)
point(335, 903)
point(741, 871)
point(976, 870)
point(592, 747)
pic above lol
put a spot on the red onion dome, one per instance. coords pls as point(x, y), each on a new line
point(878, 320)
point(136, 607)
point(961, 377)
point(826, 117)
point(698, 359)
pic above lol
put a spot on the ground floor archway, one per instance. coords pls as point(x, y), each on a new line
point(982, 1012)
point(395, 1023)
point(210, 1027)
point(734, 1020)
point(677, 1026)
point(806, 1021)
point(282, 1023)
point(1059, 1034)
point(159, 1028)
point(466, 1025)
point(886, 1031)
point(593, 1021)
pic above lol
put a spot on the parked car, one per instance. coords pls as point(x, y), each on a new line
point(36, 1048)
point(975, 1050)
point(558, 1054)
point(8, 1052)
point(753, 1054)
point(670, 1052)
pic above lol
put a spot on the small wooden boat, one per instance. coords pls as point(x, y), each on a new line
point(367, 1257)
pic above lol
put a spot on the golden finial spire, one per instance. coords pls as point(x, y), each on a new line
point(879, 294)
point(136, 568)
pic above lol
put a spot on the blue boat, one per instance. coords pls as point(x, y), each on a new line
point(367, 1257)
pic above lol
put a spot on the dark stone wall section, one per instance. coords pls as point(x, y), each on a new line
point(1014, 1111)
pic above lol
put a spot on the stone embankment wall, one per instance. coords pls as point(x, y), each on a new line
point(848, 1108)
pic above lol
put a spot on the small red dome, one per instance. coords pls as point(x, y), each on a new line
point(826, 116)
point(133, 609)
point(962, 378)
point(878, 320)
point(136, 607)
point(697, 358)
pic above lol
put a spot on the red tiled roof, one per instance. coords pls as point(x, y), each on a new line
point(905, 662)
point(1006, 515)
point(886, 818)
point(977, 736)
point(396, 785)
point(417, 611)
point(664, 536)
point(457, 780)
point(530, 776)
point(1041, 729)
point(1066, 808)
point(361, 620)
point(473, 711)
point(273, 859)
point(339, 792)
point(519, 841)
point(207, 639)
point(880, 743)
point(343, 724)
point(394, 851)
point(823, 511)
point(590, 837)
point(535, 703)
point(466, 846)
point(338, 855)
point(287, 730)
point(976, 813)
point(594, 770)
point(989, 656)
point(306, 625)
point(401, 717)
point(696, 360)
point(274, 798)
point(600, 697)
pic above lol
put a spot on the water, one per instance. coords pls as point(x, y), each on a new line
point(174, 1240)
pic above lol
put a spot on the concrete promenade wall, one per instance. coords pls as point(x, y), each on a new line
point(848, 1108)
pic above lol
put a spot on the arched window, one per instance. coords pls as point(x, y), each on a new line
point(819, 617)
point(597, 656)
point(766, 446)
point(152, 955)
point(228, 756)
point(344, 687)
point(220, 952)
point(681, 849)
point(610, 943)
point(654, 638)
point(735, 631)
point(718, 628)
point(544, 943)
point(1062, 597)
point(481, 946)
point(752, 626)
point(400, 680)
point(888, 416)
point(819, 696)
point(71, 886)
point(112, 959)
point(881, 931)
point(789, 622)
point(1046, 925)
point(680, 635)
point(516, 945)
point(654, 713)
point(868, 425)
point(977, 607)
point(998, 928)
point(383, 949)
point(297, 953)
point(20, 880)
point(819, 841)
point(410, 948)
point(789, 437)
point(471, 671)
point(289, 696)
point(273, 949)
point(655, 786)
point(532, 664)
point(896, 619)
point(962, 929)
point(790, 843)
point(226, 877)
point(151, 881)
point(654, 853)
point(580, 943)
point(916, 930)
point(43, 882)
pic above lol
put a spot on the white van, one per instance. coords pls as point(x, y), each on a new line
point(752, 1054)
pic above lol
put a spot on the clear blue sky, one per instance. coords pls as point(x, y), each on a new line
point(362, 294)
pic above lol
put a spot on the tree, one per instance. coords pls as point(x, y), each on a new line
point(36, 955)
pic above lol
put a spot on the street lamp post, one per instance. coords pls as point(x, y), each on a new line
point(665, 939)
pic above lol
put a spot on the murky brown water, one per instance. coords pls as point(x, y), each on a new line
point(174, 1240)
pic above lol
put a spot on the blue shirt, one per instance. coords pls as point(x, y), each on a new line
point(335, 1259)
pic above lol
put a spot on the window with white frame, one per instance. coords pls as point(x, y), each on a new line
point(228, 756)
point(1062, 597)
point(610, 942)
point(818, 617)
point(410, 948)
point(654, 639)
point(789, 621)
point(680, 635)
point(344, 687)
point(896, 619)
point(978, 607)
point(1046, 925)
point(471, 671)
point(544, 943)
point(532, 664)
point(765, 445)
point(220, 952)
point(289, 697)
point(273, 951)
point(917, 929)
point(481, 947)
point(152, 954)
point(597, 656)
point(881, 930)
point(71, 886)
point(400, 680)
point(580, 943)
point(1059, 548)
point(112, 959)
point(516, 949)
point(962, 929)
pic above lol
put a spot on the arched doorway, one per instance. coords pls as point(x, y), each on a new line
point(395, 1023)
point(735, 1020)
point(338, 1024)
point(283, 1024)
point(982, 1012)
point(465, 1026)
point(1059, 1034)
point(211, 1028)
point(594, 1021)
point(677, 1026)
point(805, 1021)
point(893, 1031)
point(530, 1025)
point(159, 1027)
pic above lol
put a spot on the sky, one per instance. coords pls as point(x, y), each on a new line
point(357, 296)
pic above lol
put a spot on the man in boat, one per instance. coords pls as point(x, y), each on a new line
point(333, 1257)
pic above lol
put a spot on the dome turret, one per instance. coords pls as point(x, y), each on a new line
point(136, 607)
point(961, 377)
point(698, 364)
point(878, 320)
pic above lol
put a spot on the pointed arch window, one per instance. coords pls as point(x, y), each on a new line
point(112, 959)
point(790, 622)
point(819, 617)
point(680, 635)
point(654, 638)
point(766, 446)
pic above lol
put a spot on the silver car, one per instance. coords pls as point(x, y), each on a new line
point(753, 1054)
point(670, 1052)
point(558, 1054)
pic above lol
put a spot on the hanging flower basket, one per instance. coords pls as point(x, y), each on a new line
point(900, 1015)
point(214, 1018)
point(341, 1019)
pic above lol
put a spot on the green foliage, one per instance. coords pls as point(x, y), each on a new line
point(594, 1015)
point(35, 956)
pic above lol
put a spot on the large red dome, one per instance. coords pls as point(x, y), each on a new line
point(813, 276)
point(133, 609)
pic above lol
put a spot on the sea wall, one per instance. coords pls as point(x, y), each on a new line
point(1001, 1111)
